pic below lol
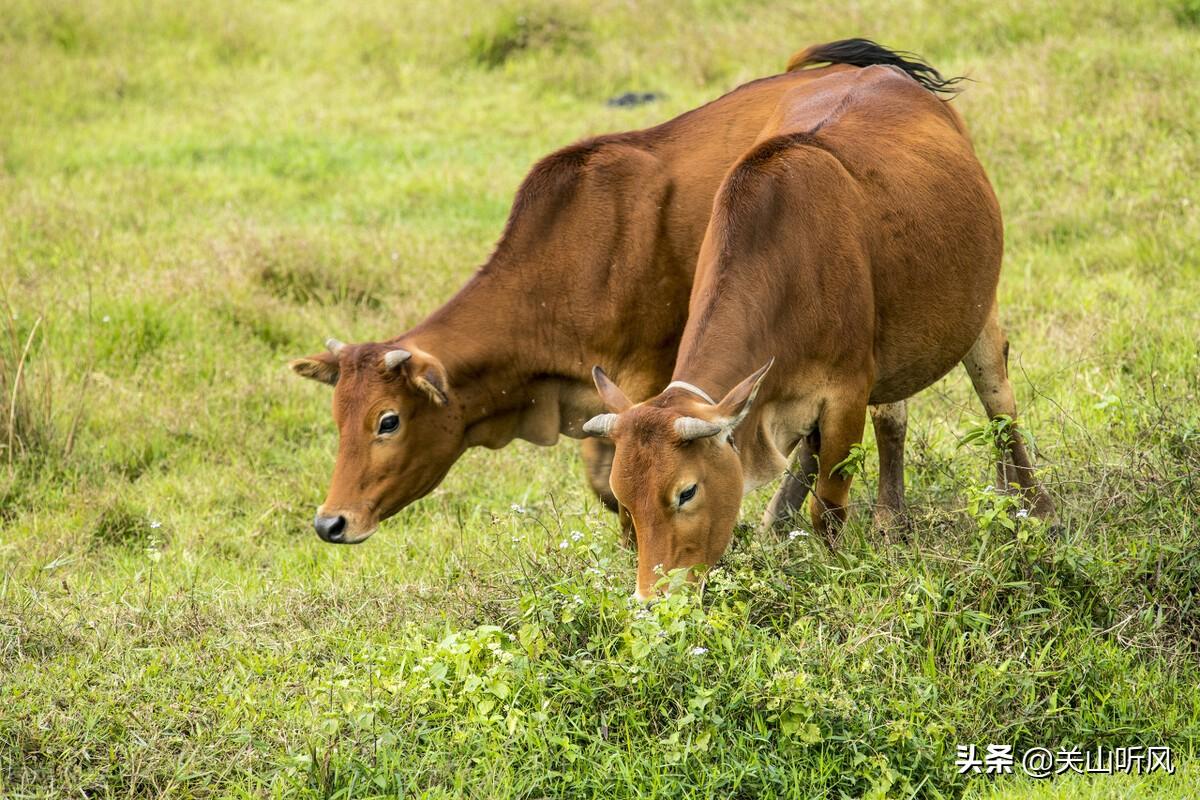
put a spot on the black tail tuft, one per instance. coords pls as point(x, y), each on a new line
point(864, 53)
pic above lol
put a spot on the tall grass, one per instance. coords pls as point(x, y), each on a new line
point(41, 411)
point(25, 422)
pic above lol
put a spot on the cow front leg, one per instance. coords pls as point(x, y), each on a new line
point(797, 483)
point(840, 427)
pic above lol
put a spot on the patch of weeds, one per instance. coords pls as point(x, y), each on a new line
point(63, 25)
point(1022, 568)
point(129, 333)
point(27, 633)
point(26, 423)
point(265, 322)
point(810, 673)
point(238, 39)
point(31, 407)
point(1187, 13)
point(1169, 574)
point(121, 523)
point(140, 457)
point(309, 283)
point(291, 271)
point(15, 486)
point(516, 32)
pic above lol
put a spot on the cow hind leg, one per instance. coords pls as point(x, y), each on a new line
point(841, 427)
point(987, 366)
point(890, 421)
point(797, 483)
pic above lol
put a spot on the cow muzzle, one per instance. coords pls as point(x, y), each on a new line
point(331, 529)
point(340, 528)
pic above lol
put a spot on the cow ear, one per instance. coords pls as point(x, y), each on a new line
point(433, 382)
point(735, 405)
point(322, 367)
point(610, 394)
point(425, 371)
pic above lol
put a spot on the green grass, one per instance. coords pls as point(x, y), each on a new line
point(190, 194)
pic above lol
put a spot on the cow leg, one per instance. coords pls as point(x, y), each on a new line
point(891, 425)
point(841, 427)
point(890, 421)
point(987, 365)
point(797, 483)
point(597, 464)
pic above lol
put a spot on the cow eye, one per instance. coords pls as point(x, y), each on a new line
point(388, 423)
point(687, 494)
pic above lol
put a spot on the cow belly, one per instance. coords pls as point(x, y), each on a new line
point(934, 286)
point(913, 354)
point(904, 383)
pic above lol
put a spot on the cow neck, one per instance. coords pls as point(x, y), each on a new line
point(490, 338)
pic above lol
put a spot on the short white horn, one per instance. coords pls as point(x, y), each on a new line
point(689, 428)
point(394, 358)
point(334, 346)
point(600, 425)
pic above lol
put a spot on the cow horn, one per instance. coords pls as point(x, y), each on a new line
point(334, 346)
point(600, 425)
point(394, 358)
point(689, 428)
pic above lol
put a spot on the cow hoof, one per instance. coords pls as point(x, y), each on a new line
point(1043, 508)
point(890, 524)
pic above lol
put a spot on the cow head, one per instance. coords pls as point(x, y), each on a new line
point(399, 431)
point(677, 473)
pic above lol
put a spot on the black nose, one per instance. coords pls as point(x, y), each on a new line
point(330, 529)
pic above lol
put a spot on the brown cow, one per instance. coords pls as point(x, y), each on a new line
point(858, 248)
point(595, 265)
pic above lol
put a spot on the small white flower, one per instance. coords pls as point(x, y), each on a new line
point(1022, 514)
point(578, 600)
point(517, 507)
point(576, 536)
point(699, 651)
point(155, 524)
point(564, 544)
point(797, 534)
point(107, 318)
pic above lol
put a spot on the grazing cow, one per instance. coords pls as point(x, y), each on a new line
point(856, 247)
point(595, 265)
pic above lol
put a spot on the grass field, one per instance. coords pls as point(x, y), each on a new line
point(191, 194)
